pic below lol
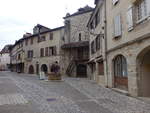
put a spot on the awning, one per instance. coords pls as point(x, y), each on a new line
point(75, 45)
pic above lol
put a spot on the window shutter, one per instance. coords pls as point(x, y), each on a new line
point(148, 7)
point(117, 26)
point(130, 18)
point(55, 50)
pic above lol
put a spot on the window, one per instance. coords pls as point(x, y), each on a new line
point(91, 25)
point(19, 56)
point(98, 42)
point(141, 9)
point(51, 36)
point(117, 26)
point(120, 66)
point(130, 18)
point(42, 52)
point(41, 38)
point(79, 36)
point(100, 68)
point(46, 51)
point(26, 42)
point(148, 7)
point(31, 41)
point(93, 47)
point(115, 2)
point(30, 54)
point(52, 51)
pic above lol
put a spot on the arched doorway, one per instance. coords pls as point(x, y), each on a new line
point(44, 68)
point(143, 70)
point(81, 70)
point(31, 69)
point(120, 72)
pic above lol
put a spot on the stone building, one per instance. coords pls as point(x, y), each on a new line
point(5, 58)
point(76, 42)
point(128, 46)
point(96, 26)
point(38, 51)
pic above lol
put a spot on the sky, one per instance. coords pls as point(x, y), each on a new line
point(20, 16)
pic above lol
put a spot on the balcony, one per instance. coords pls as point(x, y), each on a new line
point(81, 58)
point(75, 45)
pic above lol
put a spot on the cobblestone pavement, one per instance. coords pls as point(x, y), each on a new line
point(72, 95)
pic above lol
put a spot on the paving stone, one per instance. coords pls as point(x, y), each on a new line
point(75, 96)
point(13, 99)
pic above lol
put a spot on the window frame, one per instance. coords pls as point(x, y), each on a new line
point(120, 66)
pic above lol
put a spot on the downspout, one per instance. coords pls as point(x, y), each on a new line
point(106, 44)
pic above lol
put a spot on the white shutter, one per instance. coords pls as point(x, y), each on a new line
point(117, 26)
point(130, 18)
point(148, 7)
point(114, 1)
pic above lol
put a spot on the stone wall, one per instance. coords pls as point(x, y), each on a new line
point(131, 53)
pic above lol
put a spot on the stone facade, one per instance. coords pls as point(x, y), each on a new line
point(133, 44)
point(38, 52)
point(109, 44)
point(5, 58)
point(96, 28)
point(76, 47)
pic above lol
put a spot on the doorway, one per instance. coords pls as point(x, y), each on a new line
point(81, 70)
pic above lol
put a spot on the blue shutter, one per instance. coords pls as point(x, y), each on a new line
point(117, 26)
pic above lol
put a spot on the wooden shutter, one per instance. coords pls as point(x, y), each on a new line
point(117, 26)
point(46, 51)
point(55, 50)
point(130, 18)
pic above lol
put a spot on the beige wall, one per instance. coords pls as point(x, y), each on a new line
point(57, 41)
point(4, 60)
point(100, 79)
point(121, 8)
point(78, 24)
point(129, 50)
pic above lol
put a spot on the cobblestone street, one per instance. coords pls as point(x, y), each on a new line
point(22, 93)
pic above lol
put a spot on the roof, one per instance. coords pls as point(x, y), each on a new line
point(75, 45)
point(39, 25)
point(50, 30)
point(6, 49)
point(83, 10)
point(95, 2)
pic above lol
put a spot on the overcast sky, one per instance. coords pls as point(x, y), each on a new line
point(20, 16)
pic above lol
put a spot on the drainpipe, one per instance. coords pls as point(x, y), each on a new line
point(106, 43)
